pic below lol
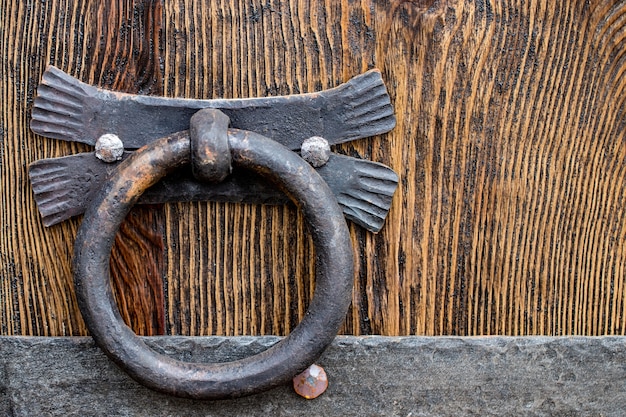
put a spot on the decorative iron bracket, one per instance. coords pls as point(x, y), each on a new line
point(68, 109)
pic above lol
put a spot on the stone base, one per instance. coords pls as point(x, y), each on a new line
point(369, 376)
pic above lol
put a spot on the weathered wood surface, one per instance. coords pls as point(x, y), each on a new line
point(510, 218)
point(368, 376)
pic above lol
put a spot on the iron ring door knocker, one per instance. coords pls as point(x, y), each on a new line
point(334, 269)
point(360, 190)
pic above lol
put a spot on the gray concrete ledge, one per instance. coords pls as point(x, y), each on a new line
point(369, 376)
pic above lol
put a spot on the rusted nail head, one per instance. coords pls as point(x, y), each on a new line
point(311, 383)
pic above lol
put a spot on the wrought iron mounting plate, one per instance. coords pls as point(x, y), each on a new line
point(68, 109)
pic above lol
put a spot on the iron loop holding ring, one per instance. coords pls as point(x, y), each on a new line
point(278, 364)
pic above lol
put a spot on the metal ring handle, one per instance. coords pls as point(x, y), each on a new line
point(278, 364)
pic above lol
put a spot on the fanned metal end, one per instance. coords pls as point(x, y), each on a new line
point(61, 106)
point(362, 106)
point(367, 200)
point(62, 187)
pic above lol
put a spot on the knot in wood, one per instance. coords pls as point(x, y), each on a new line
point(210, 152)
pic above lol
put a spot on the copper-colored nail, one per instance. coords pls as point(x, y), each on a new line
point(311, 383)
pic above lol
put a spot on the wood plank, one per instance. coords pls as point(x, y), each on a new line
point(37, 295)
point(510, 148)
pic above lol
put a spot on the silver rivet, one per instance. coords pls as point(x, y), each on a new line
point(315, 150)
point(109, 148)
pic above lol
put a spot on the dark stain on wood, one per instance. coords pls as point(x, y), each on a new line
point(123, 54)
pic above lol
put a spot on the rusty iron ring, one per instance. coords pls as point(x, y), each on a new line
point(278, 364)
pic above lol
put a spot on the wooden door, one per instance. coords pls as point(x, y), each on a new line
point(510, 216)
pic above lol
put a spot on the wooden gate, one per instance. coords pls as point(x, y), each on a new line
point(510, 216)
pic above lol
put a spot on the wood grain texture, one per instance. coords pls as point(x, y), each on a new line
point(515, 201)
point(510, 146)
